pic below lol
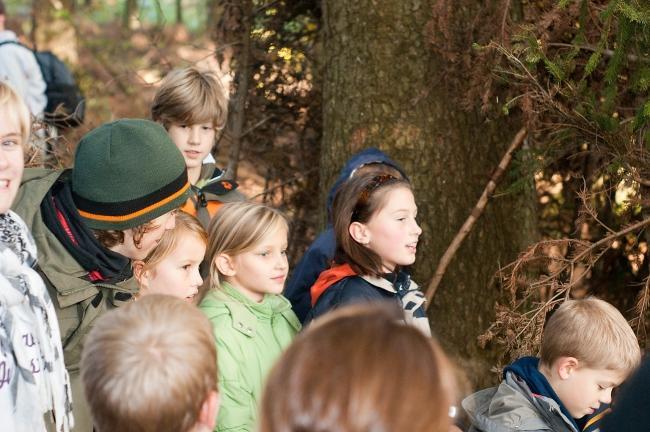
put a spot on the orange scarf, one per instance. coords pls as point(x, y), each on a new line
point(328, 278)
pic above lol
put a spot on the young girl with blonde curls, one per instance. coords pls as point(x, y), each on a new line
point(172, 267)
point(253, 323)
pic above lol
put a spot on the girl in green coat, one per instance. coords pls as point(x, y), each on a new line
point(253, 323)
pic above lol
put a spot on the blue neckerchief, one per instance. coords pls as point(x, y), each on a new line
point(400, 279)
point(526, 369)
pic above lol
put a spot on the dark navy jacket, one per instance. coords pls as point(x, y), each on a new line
point(630, 412)
point(320, 253)
point(351, 290)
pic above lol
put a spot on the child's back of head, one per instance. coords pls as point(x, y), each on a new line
point(151, 366)
point(359, 369)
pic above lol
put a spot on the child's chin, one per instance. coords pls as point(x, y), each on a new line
point(275, 290)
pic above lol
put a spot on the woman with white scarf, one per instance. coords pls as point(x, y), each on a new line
point(34, 384)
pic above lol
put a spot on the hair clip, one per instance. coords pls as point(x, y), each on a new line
point(367, 191)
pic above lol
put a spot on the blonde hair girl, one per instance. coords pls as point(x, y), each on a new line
point(172, 267)
point(252, 321)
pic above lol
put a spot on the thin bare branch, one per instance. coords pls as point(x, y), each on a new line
point(476, 213)
point(300, 175)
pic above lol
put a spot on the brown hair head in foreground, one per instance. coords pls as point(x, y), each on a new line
point(359, 369)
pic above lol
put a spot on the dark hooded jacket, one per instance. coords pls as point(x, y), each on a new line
point(340, 286)
point(320, 253)
point(630, 411)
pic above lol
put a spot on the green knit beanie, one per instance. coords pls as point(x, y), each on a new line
point(127, 173)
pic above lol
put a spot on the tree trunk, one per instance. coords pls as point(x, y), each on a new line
point(232, 33)
point(384, 87)
point(55, 31)
point(179, 12)
point(130, 8)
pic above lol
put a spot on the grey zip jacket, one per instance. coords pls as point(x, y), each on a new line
point(513, 407)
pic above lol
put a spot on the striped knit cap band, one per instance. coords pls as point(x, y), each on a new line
point(127, 173)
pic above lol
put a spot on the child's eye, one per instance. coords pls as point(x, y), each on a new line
point(284, 252)
point(206, 128)
point(263, 254)
point(187, 266)
point(402, 219)
point(9, 144)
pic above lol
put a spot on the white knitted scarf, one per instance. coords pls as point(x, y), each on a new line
point(33, 378)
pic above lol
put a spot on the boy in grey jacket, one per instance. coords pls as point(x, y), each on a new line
point(588, 348)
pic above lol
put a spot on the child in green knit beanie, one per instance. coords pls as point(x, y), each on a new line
point(89, 222)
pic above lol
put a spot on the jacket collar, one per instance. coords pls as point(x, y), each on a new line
point(512, 406)
point(526, 368)
point(387, 285)
point(246, 313)
point(550, 408)
point(7, 35)
point(60, 269)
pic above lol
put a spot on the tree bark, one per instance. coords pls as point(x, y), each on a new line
point(179, 11)
point(234, 32)
point(130, 8)
point(384, 87)
point(54, 31)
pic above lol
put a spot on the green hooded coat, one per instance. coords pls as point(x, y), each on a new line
point(250, 337)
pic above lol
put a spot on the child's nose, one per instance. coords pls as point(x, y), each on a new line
point(607, 397)
point(4, 160)
point(194, 135)
point(198, 280)
point(416, 228)
point(282, 262)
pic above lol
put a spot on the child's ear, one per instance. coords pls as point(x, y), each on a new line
point(209, 411)
point(225, 264)
point(565, 366)
point(141, 275)
point(359, 233)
